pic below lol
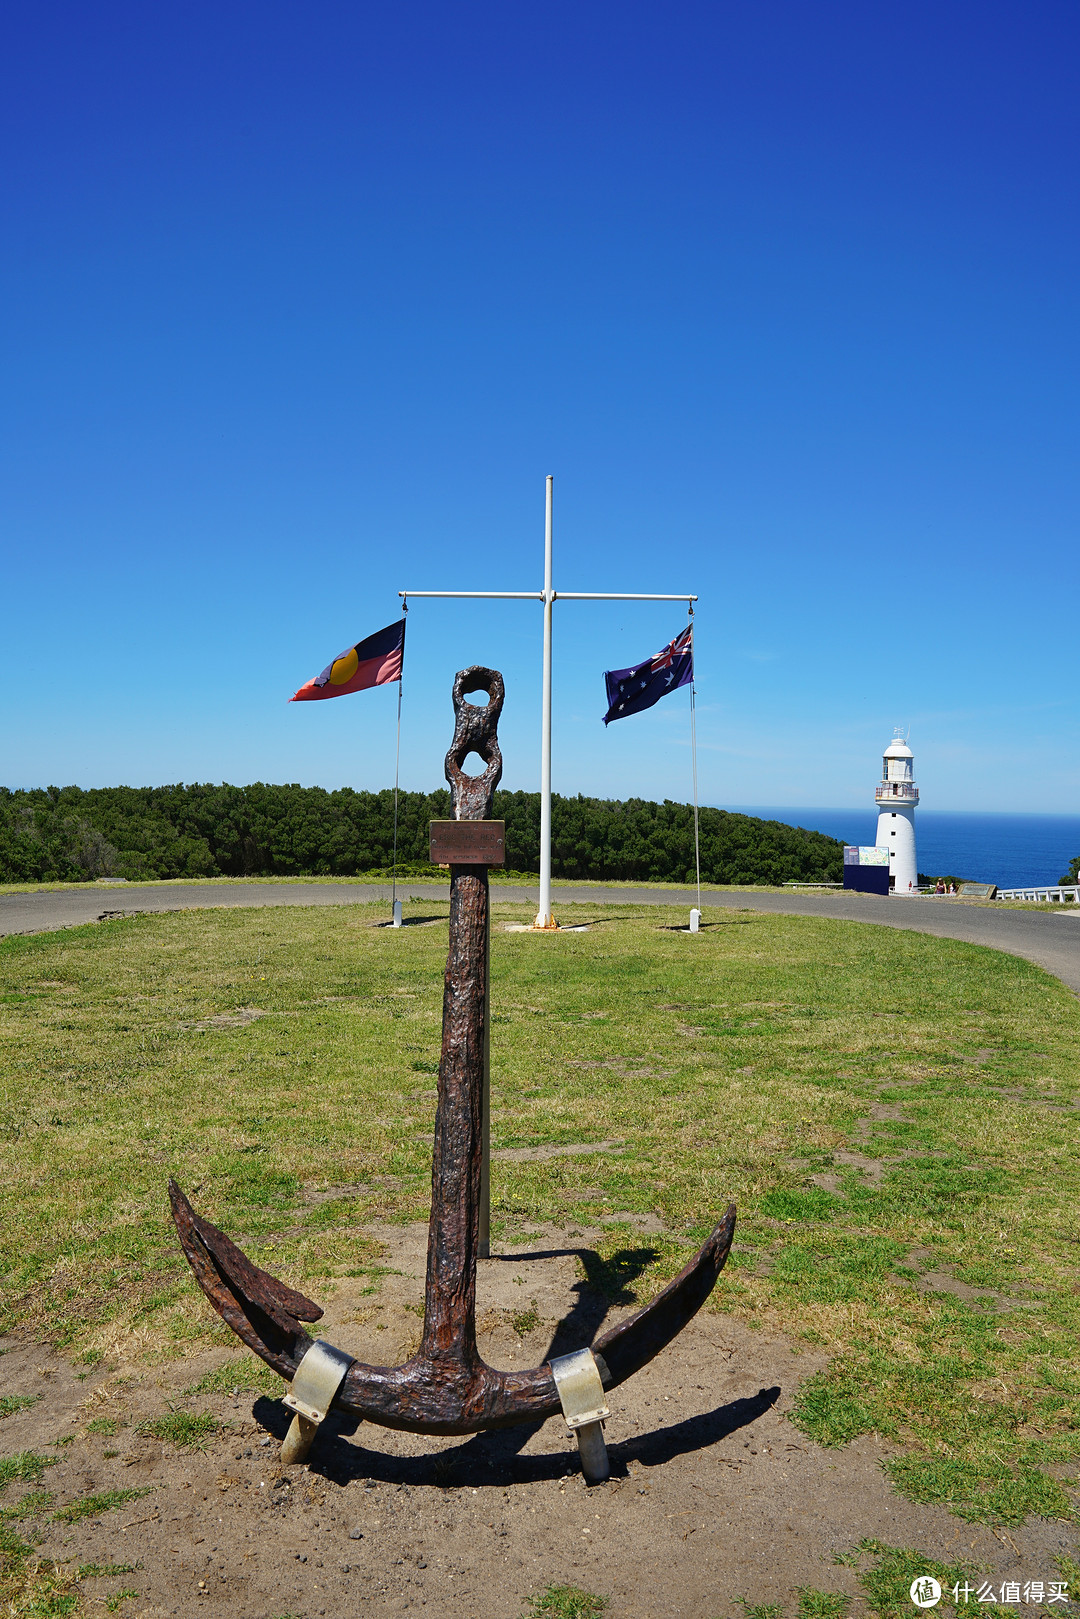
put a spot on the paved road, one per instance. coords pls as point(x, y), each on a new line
point(1052, 939)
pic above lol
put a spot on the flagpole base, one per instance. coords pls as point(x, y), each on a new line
point(542, 925)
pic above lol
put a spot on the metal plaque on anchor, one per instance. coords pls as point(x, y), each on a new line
point(468, 843)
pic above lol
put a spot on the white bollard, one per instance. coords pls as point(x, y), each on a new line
point(695, 921)
point(397, 913)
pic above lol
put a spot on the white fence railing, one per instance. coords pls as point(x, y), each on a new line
point(1060, 895)
point(904, 792)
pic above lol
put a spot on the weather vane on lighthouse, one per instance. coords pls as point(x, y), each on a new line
point(897, 795)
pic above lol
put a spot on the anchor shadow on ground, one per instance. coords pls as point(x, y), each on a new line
point(497, 1457)
point(490, 1459)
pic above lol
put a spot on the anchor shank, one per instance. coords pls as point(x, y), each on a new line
point(458, 1181)
point(454, 1230)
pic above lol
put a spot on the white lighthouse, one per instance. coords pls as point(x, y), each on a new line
point(897, 796)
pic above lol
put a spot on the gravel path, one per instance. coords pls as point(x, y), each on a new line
point(1051, 939)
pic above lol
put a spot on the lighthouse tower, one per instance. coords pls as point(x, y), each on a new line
point(897, 796)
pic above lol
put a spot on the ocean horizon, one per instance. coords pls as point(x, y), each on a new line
point(1014, 851)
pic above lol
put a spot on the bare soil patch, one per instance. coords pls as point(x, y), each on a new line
point(715, 1495)
point(570, 1149)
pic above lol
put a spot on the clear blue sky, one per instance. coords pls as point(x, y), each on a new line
point(301, 303)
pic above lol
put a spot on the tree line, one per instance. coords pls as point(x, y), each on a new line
point(72, 834)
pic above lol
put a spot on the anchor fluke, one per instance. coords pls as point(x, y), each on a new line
point(262, 1311)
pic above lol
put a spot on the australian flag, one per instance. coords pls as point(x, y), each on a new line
point(629, 691)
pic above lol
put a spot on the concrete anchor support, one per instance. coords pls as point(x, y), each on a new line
point(298, 1441)
point(314, 1389)
point(592, 1448)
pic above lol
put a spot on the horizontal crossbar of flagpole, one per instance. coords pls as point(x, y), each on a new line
point(538, 595)
point(487, 595)
point(615, 596)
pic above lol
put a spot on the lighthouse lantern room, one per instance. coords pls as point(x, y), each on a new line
point(897, 796)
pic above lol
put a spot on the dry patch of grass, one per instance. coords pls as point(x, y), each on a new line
point(32, 1588)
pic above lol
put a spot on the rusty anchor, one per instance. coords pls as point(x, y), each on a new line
point(446, 1388)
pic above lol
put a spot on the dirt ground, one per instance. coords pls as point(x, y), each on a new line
point(715, 1498)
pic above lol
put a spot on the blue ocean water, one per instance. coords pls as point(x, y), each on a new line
point(1010, 850)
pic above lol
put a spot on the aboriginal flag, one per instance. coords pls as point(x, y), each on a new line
point(374, 662)
point(631, 690)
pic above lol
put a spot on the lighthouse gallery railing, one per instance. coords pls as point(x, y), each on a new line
point(905, 791)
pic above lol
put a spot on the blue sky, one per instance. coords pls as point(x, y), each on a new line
point(301, 303)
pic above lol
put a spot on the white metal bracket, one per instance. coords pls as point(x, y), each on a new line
point(581, 1389)
point(579, 1380)
point(317, 1379)
point(315, 1383)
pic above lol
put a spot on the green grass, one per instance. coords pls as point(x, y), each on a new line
point(10, 1403)
point(566, 1602)
point(822, 1604)
point(734, 1064)
point(796, 1207)
point(25, 1467)
point(1069, 1570)
point(888, 1583)
point(39, 1590)
point(525, 1321)
point(885, 1574)
point(30, 1588)
point(92, 1506)
point(184, 1429)
point(981, 1489)
point(246, 1375)
point(108, 1427)
point(34, 1504)
point(13, 1553)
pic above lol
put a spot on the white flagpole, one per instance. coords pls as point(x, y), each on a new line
point(544, 918)
point(395, 909)
point(693, 755)
point(548, 596)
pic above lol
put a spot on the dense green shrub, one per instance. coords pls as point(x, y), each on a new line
point(202, 830)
